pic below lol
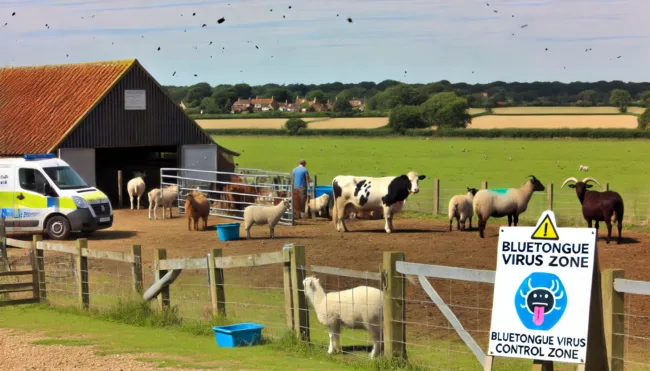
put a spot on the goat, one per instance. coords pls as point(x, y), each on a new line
point(598, 206)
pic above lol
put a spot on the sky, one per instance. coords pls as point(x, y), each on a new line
point(263, 41)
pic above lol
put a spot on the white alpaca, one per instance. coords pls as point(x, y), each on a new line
point(360, 307)
point(135, 187)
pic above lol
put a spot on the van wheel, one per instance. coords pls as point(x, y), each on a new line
point(58, 227)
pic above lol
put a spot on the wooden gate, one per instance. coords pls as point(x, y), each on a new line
point(18, 284)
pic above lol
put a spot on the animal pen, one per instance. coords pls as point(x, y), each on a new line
point(433, 316)
point(230, 193)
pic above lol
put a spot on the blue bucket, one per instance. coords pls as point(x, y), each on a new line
point(228, 231)
point(321, 190)
point(241, 334)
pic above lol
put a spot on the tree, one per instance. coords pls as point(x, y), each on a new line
point(588, 97)
point(405, 117)
point(197, 92)
point(621, 99)
point(644, 119)
point(243, 91)
point(280, 94)
point(645, 98)
point(318, 94)
point(446, 110)
point(295, 126)
point(342, 106)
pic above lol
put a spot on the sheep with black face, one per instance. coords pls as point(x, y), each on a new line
point(598, 206)
point(510, 202)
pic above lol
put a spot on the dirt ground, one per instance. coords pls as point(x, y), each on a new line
point(422, 241)
point(18, 353)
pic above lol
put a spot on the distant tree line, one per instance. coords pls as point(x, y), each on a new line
point(388, 94)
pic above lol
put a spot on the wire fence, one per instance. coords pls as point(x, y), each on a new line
point(565, 205)
point(345, 313)
point(636, 335)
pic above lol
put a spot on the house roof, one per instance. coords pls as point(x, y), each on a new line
point(41, 105)
point(242, 102)
point(262, 100)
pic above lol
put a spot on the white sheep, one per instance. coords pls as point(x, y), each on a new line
point(356, 308)
point(583, 168)
point(135, 187)
point(461, 208)
point(164, 197)
point(510, 202)
point(261, 214)
point(320, 205)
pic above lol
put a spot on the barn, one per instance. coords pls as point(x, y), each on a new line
point(101, 118)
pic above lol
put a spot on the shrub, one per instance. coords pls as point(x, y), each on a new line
point(644, 120)
point(295, 126)
point(403, 118)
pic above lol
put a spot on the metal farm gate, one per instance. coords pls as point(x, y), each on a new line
point(230, 193)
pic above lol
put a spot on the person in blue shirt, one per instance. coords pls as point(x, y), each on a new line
point(301, 182)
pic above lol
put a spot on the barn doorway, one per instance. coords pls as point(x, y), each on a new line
point(131, 159)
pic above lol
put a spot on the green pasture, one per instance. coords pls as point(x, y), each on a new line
point(622, 164)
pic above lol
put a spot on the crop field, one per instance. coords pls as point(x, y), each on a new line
point(314, 123)
point(637, 110)
point(555, 122)
point(554, 110)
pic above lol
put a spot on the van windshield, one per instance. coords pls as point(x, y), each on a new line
point(65, 177)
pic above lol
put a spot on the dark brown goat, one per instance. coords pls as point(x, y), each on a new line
point(598, 206)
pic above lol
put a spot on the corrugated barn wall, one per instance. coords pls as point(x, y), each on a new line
point(110, 125)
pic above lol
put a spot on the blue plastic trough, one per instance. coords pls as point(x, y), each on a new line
point(241, 334)
point(228, 231)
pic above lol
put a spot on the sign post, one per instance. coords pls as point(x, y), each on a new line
point(543, 293)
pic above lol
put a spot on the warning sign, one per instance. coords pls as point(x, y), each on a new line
point(542, 292)
point(545, 230)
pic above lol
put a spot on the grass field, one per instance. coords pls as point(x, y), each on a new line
point(623, 164)
point(555, 122)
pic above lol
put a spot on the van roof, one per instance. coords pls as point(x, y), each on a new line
point(46, 162)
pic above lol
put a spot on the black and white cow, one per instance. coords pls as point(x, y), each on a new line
point(368, 193)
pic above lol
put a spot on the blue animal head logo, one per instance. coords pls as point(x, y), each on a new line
point(541, 301)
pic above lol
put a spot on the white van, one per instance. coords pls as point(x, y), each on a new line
point(40, 193)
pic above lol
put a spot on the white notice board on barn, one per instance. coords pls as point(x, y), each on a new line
point(135, 100)
point(542, 292)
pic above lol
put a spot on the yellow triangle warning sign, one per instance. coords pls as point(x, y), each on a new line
point(546, 230)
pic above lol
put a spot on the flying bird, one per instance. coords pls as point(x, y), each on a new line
point(221, 20)
point(524, 25)
point(257, 47)
point(350, 20)
point(158, 48)
point(193, 14)
point(204, 25)
point(13, 14)
point(174, 74)
point(289, 6)
point(496, 11)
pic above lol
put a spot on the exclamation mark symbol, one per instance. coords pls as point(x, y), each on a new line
point(545, 229)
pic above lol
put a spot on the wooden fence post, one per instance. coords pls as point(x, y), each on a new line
point(300, 305)
point(613, 308)
point(82, 273)
point(286, 277)
point(607, 186)
point(394, 290)
point(119, 189)
point(163, 296)
point(217, 292)
point(3, 239)
point(484, 184)
point(436, 196)
point(549, 196)
point(39, 267)
point(136, 269)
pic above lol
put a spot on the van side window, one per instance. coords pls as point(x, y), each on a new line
point(32, 180)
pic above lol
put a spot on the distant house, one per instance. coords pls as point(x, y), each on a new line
point(264, 104)
point(357, 103)
point(299, 100)
point(241, 105)
point(283, 107)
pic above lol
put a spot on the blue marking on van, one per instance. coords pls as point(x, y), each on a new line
point(52, 202)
